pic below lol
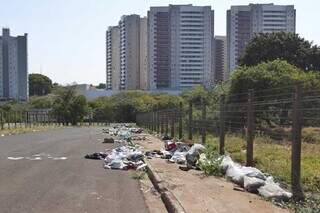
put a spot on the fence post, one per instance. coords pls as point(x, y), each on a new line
point(161, 122)
point(222, 126)
point(9, 119)
point(2, 122)
point(250, 128)
point(154, 121)
point(296, 145)
point(15, 119)
point(172, 125)
point(166, 123)
point(158, 122)
point(203, 122)
point(180, 120)
point(190, 122)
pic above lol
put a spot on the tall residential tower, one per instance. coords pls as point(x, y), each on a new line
point(220, 59)
point(180, 46)
point(113, 58)
point(127, 54)
point(243, 22)
point(13, 67)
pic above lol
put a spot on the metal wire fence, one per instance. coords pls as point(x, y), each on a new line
point(278, 113)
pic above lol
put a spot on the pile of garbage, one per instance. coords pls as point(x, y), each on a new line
point(249, 178)
point(125, 155)
point(252, 179)
point(178, 152)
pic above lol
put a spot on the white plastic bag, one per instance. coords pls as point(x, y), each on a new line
point(273, 190)
point(226, 163)
point(252, 184)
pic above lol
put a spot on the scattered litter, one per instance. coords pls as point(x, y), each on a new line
point(169, 145)
point(96, 156)
point(166, 138)
point(249, 179)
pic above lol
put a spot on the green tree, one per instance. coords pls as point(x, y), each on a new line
point(197, 95)
point(101, 86)
point(268, 75)
point(39, 85)
point(290, 47)
point(41, 102)
point(271, 81)
point(68, 107)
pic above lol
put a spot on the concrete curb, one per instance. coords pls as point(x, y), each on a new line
point(170, 201)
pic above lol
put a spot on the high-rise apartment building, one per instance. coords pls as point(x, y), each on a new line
point(244, 21)
point(130, 51)
point(13, 67)
point(220, 59)
point(180, 46)
point(143, 53)
point(113, 58)
point(127, 54)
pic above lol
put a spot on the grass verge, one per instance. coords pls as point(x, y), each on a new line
point(275, 158)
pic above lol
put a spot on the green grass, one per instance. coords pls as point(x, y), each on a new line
point(275, 158)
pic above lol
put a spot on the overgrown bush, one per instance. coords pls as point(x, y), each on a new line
point(210, 165)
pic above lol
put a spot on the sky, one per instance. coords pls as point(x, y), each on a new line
point(66, 38)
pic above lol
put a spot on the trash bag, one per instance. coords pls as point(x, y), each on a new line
point(273, 190)
point(226, 163)
point(124, 135)
point(166, 154)
point(252, 184)
point(170, 145)
point(166, 138)
point(237, 172)
point(193, 154)
point(178, 157)
point(135, 156)
point(96, 156)
point(253, 172)
point(115, 164)
point(108, 140)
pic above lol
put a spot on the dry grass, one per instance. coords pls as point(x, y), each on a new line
point(275, 159)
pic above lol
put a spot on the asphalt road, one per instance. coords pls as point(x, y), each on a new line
point(53, 176)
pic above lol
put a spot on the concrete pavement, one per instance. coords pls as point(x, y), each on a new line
point(53, 176)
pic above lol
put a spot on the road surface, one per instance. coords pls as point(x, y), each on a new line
point(53, 175)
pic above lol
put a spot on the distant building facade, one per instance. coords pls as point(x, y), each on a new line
point(113, 58)
point(13, 67)
point(180, 46)
point(220, 59)
point(244, 21)
point(126, 54)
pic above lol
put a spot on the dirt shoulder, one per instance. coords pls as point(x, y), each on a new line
point(199, 193)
